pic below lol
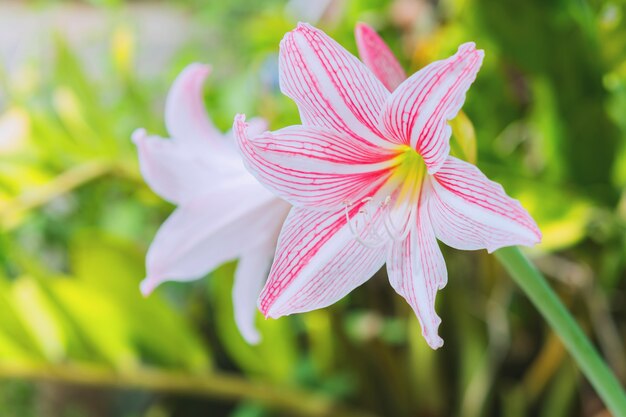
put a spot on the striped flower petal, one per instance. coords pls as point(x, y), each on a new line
point(331, 87)
point(375, 53)
point(416, 271)
point(318, 261)
point(313, 167)
point(418, 111)
point(468, 211)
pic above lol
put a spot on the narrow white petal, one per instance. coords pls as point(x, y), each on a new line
point(416, 271)
point(251, 273)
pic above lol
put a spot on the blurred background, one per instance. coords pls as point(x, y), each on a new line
point(548, 116)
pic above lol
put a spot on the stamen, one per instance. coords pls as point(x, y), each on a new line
point(394, 232)
point(397, 200)
point(374, 240)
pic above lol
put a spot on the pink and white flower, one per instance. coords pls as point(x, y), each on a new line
point(223, 212)
point(371, 180)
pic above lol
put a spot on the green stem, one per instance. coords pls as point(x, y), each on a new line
point(576, 342)
point(215, 385)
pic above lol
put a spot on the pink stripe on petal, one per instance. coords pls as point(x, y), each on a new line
point(468, 211)
point(417, 112)
point(375, 53)
point(318, 261)
point(312, 167)
point(331, 87)
point(416, 271)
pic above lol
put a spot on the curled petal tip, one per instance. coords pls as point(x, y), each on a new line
point(432, 334)
point(200, 70)
point(361, 27)
point(240, 118)
point(252, 337)
point(147, 286)
point(240, 129)
point(467, 46)
point(138, 135)
point(434, 342)
point(300, 27)
point(266, 310)
point(470, 47)
point(257, 126)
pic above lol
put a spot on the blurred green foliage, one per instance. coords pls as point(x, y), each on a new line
point(549, 116)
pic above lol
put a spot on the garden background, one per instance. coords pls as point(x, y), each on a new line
point(547, 115)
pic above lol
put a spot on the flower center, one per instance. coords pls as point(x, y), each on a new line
point(392, 211)
point(408, 176)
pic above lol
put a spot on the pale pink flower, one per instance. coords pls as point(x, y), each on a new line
point(371, 180)
point(375, 53)
point(223, 212)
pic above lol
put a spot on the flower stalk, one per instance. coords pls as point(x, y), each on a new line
point(213, 385)
point(576, 342)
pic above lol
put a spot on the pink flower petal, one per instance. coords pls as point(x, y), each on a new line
point(418, 111)
point(331, 87)
point(318, 261)
point(185, 114)
point(375, 53)
point(310, 166)
point(416, 271)
point(468, 211)
point(211, 230)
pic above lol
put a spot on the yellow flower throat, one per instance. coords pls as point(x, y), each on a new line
point(408, 174)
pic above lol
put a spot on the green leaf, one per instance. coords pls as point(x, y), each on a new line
point(114, 267)
point(275, 357)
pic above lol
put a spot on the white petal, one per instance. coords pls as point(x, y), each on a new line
point(468, 211)
point(251, 273)
point(416, 271)
point(170, 169)
point(209, 231)
point(185, 113)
